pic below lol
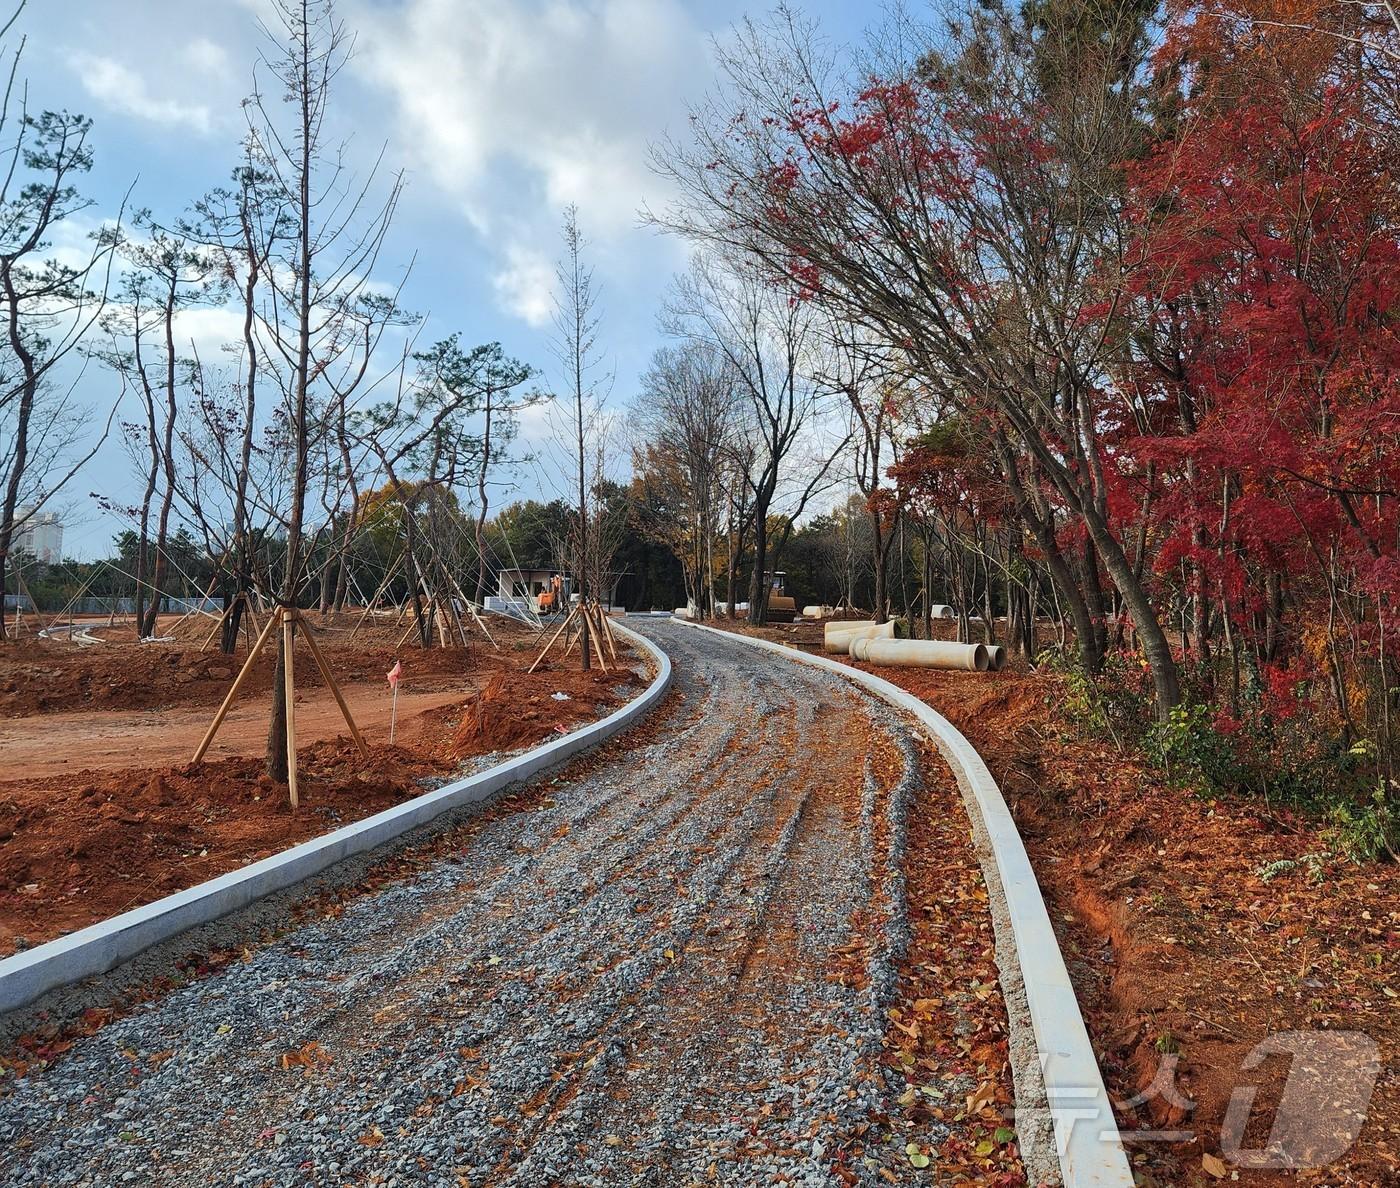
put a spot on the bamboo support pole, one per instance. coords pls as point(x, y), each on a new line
point(289, 687)
point(324, 665)
point(552, 638)
point(243, 672)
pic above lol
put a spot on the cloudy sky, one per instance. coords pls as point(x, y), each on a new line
point(501, 112)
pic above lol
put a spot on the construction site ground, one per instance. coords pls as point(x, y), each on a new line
point(101, 810)
point(1194, 927)
point(747, 942)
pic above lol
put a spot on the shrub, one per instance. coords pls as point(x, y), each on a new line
point(1367, 831)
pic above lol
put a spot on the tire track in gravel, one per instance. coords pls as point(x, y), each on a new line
point(673, 967)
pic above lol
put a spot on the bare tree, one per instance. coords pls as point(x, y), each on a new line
point(242, 225)
point(317, 280)
point(480, 383)
point(47, 306)
point(684, 421)
point(580, 407)
point(166, 274)
point(860, 370)
point(767, 341)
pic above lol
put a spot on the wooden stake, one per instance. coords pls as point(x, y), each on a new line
point(233, 692)
point(369, 606)
point(552, 638)
point(208, 639)
point(289, 687)
point(325, 668)
point(594, 632)
point(608, 631)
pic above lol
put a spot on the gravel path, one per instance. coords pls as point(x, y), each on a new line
point(671, 970)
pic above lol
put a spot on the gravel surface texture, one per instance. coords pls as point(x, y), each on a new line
point(643, 979)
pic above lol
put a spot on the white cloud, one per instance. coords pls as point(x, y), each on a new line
point(517, 110)
point(524, 286)
point(121, 89)
point(211, 332)
point(207, 58)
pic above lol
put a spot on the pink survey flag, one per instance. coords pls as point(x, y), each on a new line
point(394, 673)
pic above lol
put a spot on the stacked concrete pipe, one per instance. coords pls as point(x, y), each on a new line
point(838, 638)
point(836, 625)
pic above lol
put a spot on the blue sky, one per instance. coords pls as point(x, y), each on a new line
point(500, 111)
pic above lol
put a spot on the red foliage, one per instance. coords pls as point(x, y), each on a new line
point(1266, 266)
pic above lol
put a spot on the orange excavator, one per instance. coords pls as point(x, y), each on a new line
point(550, 599)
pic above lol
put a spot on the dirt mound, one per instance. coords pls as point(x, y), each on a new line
point(518, 710)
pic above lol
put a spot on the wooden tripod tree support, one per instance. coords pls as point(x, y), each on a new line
point(378, 593)
point(598, 631)
point(552, 638)
point(595, 634)
point(250, 620)
point(287, 617)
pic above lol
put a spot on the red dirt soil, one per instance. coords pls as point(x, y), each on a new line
point(77, 846)
point(41, 676)
point(1176, 943)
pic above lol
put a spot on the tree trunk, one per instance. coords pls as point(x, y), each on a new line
point(28, 393)
point(277, 732)
point(1043, 529)
point(1166, 681)
point(758, 576)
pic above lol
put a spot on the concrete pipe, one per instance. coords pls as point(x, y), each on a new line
point(683, 612)
point(814, 612)
point(939, 611)
point(836, 626)
point(928, 653)
point(838, 643)
point(996, 657)
point(859, 648)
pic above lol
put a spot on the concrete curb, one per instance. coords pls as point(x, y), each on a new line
point(1089, 1147)
point(101, 947)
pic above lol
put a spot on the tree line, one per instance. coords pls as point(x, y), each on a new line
point(1107, 295)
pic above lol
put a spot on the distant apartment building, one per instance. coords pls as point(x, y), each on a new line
point(40, 536)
